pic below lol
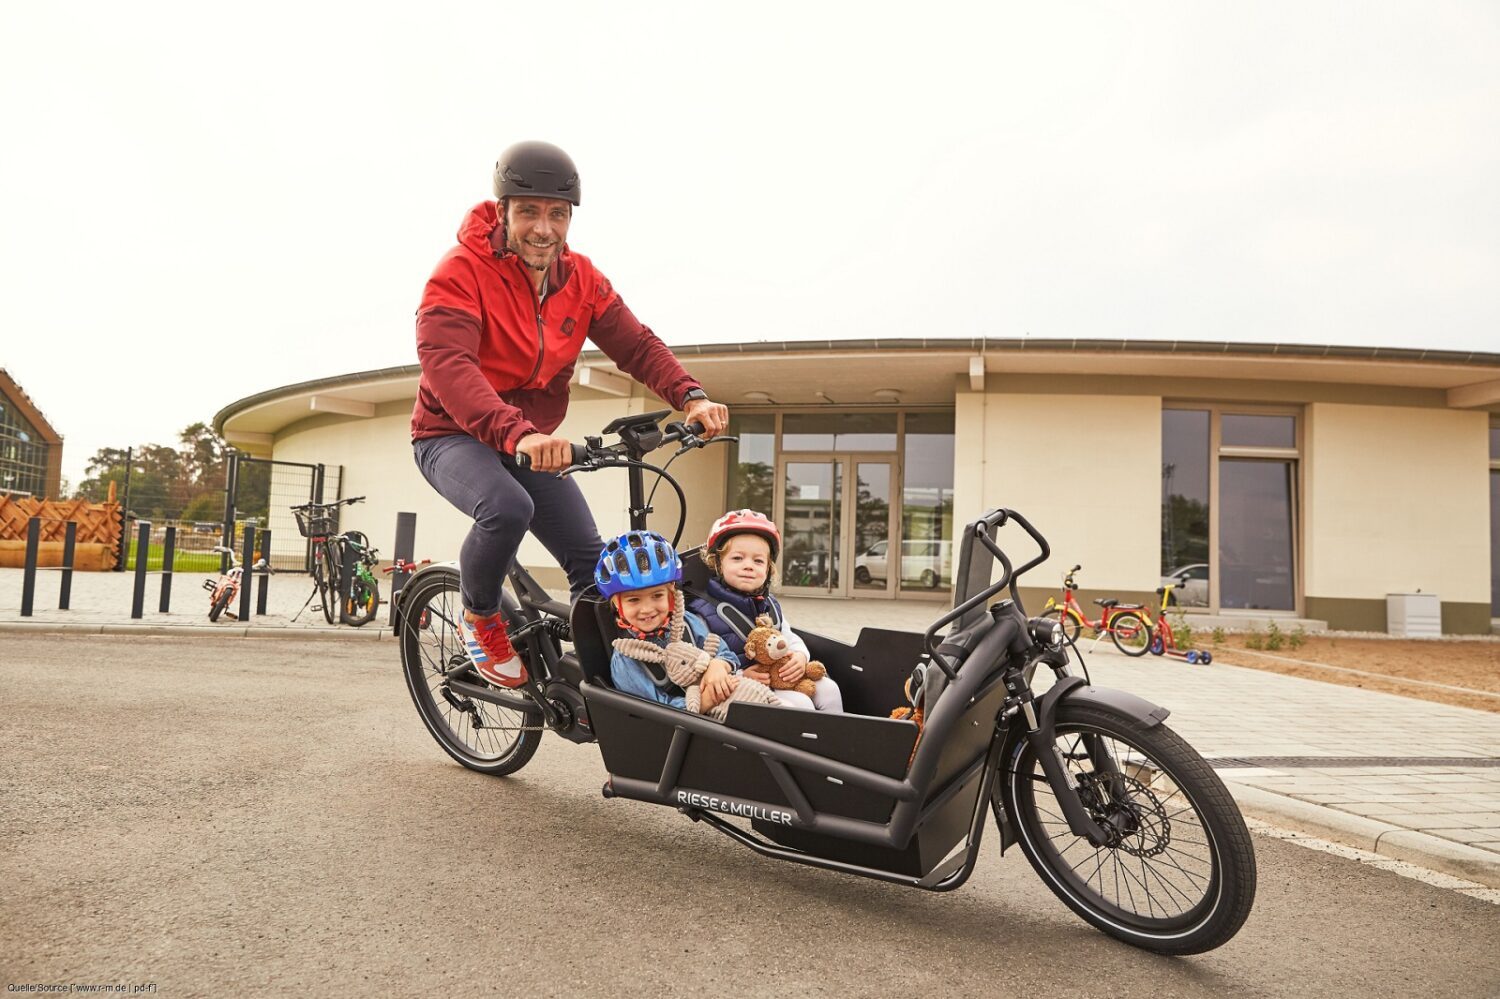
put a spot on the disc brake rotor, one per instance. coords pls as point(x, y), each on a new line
point(1129, 811)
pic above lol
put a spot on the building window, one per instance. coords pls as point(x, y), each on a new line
point(23, 457)
point(864, 499)
point(752, 461)
point(1230, 507)
point(927, 502)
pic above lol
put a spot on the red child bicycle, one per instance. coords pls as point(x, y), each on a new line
point(1128, 625)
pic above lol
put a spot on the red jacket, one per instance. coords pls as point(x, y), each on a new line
point(496, 363)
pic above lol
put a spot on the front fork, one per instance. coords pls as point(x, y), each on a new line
point(1040, 733)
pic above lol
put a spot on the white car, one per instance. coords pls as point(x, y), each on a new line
point(1190, 585)
point(922, 562)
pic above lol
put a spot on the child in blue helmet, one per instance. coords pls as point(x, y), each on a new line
point(638, 572)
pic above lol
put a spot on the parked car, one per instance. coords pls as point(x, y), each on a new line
point(924, 562)
point(1190, 585)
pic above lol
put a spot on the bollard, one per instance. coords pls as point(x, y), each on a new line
point(406, 543)
point(169, 546)
point(260, 591)
point(28, 581)
point(142, 553)
point(346, 581)
point(249, 559)
point(65, 588)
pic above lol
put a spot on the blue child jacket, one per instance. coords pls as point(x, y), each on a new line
point(631, 677)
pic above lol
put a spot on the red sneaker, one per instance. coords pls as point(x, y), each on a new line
point(488, 644)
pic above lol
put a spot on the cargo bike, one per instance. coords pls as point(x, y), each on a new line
point(1123, 820)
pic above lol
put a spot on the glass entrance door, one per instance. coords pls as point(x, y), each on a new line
point(835, 512)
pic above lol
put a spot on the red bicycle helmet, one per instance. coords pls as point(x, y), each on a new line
point(744, 522)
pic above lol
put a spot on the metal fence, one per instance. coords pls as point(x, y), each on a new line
point(262, 492)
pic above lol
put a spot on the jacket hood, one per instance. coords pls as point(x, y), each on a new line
point(482, 233)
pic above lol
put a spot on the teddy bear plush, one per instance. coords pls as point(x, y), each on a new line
point(767, 647)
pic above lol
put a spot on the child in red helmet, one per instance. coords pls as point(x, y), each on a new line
point(741, 550)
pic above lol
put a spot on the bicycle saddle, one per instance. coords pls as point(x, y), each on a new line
point(1108, 602)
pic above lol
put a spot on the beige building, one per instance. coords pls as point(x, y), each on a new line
point(1264, 480)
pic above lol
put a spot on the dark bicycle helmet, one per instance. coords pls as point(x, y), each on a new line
point(634, 561)
point(536, 170)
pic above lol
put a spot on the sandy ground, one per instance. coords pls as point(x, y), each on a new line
point(1472, 664)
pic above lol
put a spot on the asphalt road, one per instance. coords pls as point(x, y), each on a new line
point(266, 817)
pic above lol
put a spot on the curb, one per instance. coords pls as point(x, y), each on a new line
point(1372, 835)
point(197, 631)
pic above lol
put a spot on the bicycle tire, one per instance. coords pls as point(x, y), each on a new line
point(325, 578)
point(363, 602)
point(1167, 803)
point(1130, 633)
point(431, 647)
point(219, 603)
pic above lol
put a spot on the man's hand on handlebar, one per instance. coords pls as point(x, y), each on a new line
point(714, 417)
point(545, 453)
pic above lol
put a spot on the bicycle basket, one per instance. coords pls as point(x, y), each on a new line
point(317, 523)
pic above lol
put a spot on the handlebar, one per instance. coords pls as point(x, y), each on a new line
point(594, 455)
point(328, 506)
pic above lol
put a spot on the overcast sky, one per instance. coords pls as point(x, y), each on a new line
point(204, 201)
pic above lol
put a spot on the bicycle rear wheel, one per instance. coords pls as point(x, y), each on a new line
point(326, 579)
point(1130, 633)
point(484, 737)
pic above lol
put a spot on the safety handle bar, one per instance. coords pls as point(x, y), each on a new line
point(984, 528)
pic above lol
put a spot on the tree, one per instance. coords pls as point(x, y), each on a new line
point(165, 481)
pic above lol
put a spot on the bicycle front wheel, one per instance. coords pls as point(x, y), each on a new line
point(1130, 633)
point(1178, 874)
point(482, 736)
point(364, 600)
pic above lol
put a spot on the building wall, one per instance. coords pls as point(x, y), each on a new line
point(377, 460)
point(1396, 500)
point(1084, 469)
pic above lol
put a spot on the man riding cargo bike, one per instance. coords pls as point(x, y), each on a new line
point(502, 321)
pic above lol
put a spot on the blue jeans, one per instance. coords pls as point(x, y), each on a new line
point(505, 502)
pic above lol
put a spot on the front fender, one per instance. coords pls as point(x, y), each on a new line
point(1073, 688)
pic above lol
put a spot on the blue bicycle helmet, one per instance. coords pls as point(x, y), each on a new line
point(635, 561)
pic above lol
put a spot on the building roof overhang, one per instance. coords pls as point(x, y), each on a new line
point(914, 372)
point(12, 391)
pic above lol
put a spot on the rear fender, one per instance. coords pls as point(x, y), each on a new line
point(410, 586)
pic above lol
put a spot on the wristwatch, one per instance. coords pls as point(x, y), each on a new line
point(693, 395)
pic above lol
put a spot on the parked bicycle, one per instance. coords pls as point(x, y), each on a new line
point(1119, 816)
point(223, 590)
point(1122, 622)
point(318, 522)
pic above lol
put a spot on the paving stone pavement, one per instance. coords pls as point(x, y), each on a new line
point(1441, 815)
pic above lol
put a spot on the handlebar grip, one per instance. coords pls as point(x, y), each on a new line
point(580, 457)
point(695, 428)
